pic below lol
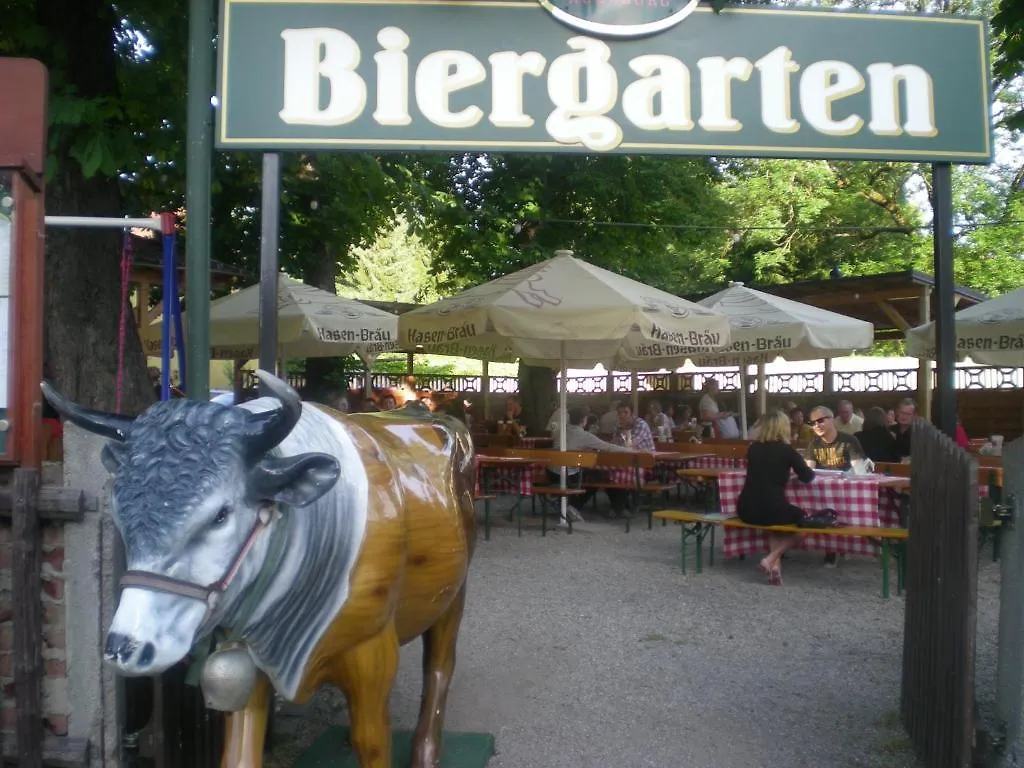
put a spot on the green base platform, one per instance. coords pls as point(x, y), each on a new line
point(461, 750)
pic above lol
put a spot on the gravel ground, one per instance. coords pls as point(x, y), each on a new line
point(594, 650)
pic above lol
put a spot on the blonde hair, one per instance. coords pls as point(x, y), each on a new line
point(774, 427)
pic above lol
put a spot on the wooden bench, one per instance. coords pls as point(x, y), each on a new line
point(551, 458)
point(696, 527)
point(637, 462)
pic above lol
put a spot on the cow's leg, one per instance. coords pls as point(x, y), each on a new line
point(243, 745)
point(438, 666)
point(366, 674)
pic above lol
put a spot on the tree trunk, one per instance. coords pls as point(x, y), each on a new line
point(322, 372)
point(82, 273)
point(83, 302)
point(537, 392)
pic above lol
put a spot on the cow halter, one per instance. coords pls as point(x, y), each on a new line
point(210, 594)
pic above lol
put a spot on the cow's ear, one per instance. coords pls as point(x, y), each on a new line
point(112, 456)
point(295, 480)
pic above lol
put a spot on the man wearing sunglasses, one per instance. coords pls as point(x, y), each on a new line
point(831, 449)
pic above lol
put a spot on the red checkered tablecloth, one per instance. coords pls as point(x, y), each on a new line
point(505, 480)
point(713, 462)
point(857, 502)
point(624, 475)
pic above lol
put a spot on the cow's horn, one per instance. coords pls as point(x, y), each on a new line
point(110, 425)
point(269, 428)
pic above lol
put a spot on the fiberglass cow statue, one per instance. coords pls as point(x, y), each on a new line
point(307, 544)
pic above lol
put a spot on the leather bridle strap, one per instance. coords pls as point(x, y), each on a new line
point(157, 582)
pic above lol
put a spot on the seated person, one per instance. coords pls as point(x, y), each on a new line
point(656, 419)
point(763, 498)
point(801, 430)
point(905, 413)
point(878, 442)
point(609, 420)
point(846, 419)
point(631, 432)
point(683, 416)
point(577, 438)
point(513, 410)
point(830, 448)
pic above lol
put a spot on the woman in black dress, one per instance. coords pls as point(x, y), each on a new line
point(763, 498)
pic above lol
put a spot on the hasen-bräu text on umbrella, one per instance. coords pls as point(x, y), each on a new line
point(441, 335)
point(474, 351)
point(1003, 343)
point(353, 335)
point(687, 338)
point(777, 345)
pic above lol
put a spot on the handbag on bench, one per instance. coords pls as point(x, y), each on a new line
point(823, 518)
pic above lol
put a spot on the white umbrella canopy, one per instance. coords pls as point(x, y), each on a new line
point(990, 333)
point(310, 323)
point(764, 326)
point(563, 311)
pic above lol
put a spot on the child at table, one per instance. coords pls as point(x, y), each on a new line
point(763, 498)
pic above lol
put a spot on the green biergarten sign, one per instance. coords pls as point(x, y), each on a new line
point(599, 76)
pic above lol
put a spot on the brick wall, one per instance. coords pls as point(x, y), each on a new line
point(55, 694)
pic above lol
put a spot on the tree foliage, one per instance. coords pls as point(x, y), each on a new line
point(1008, 65)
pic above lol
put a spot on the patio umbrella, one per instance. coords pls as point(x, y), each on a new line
point(310, 323)
point(764, 326)
point(562, 309)
point(990, 333)
point(559, 313)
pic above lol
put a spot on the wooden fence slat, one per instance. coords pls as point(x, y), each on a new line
point(52, 503)
point(26, 583)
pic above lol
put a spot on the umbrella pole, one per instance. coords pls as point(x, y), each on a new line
point(762, 393)
point(561, 424)
point(743, 401)
point(485, 385)
point(634, 382)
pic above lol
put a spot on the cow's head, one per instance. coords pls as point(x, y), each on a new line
point(190, 479)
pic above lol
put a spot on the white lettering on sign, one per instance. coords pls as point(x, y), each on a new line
point(304, 66)
point(586, 122)
point(583, 87)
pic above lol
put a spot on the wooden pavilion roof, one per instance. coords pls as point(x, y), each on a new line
point(890, 301)
point(148, 259)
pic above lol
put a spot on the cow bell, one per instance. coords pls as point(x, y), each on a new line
point(228, 678)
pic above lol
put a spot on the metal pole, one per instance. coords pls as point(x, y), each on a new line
point(108, 222)
point(202, 28)
point(924, 365)
point(743, 400)
point(270, 215)
point(485, 386)
point(762, 392)
point(945, 332)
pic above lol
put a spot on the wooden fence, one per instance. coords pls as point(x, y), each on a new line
point(937, 694)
